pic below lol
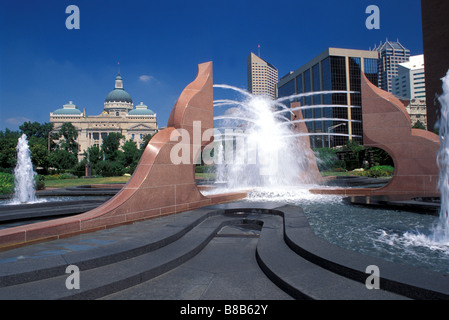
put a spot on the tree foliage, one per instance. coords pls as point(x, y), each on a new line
point(69, 134)
point(58, 151)
point(8, 143)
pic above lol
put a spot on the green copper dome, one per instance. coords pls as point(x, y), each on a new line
point(118, 94)
point(144, 112)
point(67, 109)
point(141, 110)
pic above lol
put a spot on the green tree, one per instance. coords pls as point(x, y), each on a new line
point(35, 129)
point(94, 155)
point(111, 145)
point(40, 139)
point(8, 144)
point(39, 154)
point(130, 156)
point(70, 134)
point(146, 140)
point(355, 153)
point(419, 125)
point(63, 159)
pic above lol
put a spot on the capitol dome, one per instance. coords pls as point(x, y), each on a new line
point(118, 95)
point(118, 98)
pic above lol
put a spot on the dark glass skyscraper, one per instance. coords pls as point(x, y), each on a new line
point(391, 53)
point(336, 70)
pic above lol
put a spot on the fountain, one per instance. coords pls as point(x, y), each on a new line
point(258, 149)
point(25, 207)
point(24, 188)
point(220, 165)
point(269, 157)
point(441, 232)
point(277, 174)
point(262, 147)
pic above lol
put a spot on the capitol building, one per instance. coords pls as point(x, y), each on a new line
point(119, 115)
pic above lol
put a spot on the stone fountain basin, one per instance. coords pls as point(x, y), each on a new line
point(48, 209)
point(60, 202)
point(423, 205)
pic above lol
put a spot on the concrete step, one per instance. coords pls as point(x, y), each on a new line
point(301, 278)
point(113, 277)
point(146, 237)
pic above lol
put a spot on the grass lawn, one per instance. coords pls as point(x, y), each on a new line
point(335, 173)
point(64, 183)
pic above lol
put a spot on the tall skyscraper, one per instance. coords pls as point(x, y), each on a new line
point(262, 76)
point(338, 70)
point(390, 55)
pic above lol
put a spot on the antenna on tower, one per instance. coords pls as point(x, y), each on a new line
point(118, 63)
point(258, 50)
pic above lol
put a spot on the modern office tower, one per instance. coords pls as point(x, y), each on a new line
point(390, 55)
point(337, 70)
point(262, 76)
point(435, 26)
point(410, 81)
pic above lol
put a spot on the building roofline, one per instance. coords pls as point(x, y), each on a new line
point(269, 64)
point(339, 52)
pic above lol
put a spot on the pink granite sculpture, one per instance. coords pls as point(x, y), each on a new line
point(158, 186)
point(386, 125)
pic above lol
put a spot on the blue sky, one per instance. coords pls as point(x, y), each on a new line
point(159, 44)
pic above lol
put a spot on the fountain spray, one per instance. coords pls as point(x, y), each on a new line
point(441, 232)
point(24, 189)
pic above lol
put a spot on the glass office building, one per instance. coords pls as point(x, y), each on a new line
point(333, 70)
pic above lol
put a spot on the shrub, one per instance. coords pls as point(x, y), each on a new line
point(66, 175)
point(377, 172)
point(327, 159)
point(109, 169)
point(204, 169)
point(6, 183)
point(40, 182)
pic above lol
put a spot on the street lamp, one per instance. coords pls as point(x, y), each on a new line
point(332, 128)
